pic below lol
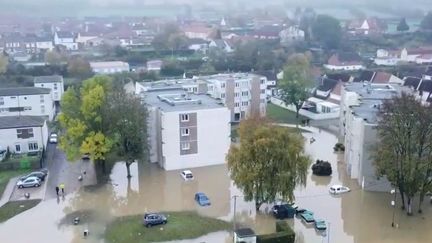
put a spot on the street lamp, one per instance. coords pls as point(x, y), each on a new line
point(393, 203)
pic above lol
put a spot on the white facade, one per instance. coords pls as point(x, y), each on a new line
point(55, 83)
point(29, 101)
point(22, 138)
point(83, 39)
point(68, 42)
point(293, 33)
point(109, 67)
point(344, 67)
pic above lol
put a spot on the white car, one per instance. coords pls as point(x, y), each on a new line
point(31, 181)
point(53, 138)
point(187, 175)
point(338, 189)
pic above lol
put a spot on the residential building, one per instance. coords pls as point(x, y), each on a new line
point(198, 31)
point(186, 130)
point(109, 67)
point(66, 39)
point(360, 105)
point(367, 26)
point(422, 55)
point(344, 61)
point(292, 34)
point(221, 45)
point(387, 57)
point(154, 65)
point(23, 134)
point(28, 44)
point(54, 82)
point(26, 101)
point(378, 77)
point(422, 87)
point(269, 32)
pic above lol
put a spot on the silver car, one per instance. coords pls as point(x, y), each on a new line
point(31, 181)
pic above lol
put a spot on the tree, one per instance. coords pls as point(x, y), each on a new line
point(296, 82)
point(171, 37)
point(426, 23)
point(402, 26)
point(4, 62)
point(79, 67)
point(403, 152)
point(54, 58)
point(269, 163)
point(327, 31)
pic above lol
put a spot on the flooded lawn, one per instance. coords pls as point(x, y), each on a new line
point(357, 217)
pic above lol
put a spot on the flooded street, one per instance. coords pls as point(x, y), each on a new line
point(355, 217)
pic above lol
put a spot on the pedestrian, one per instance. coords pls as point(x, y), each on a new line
point(57, 190)
point(62, 187)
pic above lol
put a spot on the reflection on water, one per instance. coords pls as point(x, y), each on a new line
point(355, 217)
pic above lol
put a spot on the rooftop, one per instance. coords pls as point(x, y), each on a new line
point(21, 121)
point(23, 91)
point(245, 232)
point(176, 99)
point(48, 79)
point(108, 64)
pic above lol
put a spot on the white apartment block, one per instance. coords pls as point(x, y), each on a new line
point(360, 104)
point(22, 134)
point(109, 67)
point(186, 130)
point(55, 83)
point(26, 101)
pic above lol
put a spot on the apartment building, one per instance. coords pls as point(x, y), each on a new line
point(186, 130)
point(360, 104)
point(54, 82)
point(26, 101)
point(109, 67)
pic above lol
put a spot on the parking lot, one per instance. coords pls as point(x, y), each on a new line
point(35, 192)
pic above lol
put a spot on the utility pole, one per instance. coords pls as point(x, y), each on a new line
point(328, 233)
point(234, 216)
point(393, 203)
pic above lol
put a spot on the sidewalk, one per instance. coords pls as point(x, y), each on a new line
point(8, 191)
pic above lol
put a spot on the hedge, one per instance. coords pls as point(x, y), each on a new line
point(284, 234)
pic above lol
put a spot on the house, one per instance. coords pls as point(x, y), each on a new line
point(66, 39)
point(378, 77)
point(29, 44)
point(154, 65)
point(23, 134)
point(221, 45)
point(422, 87)
point(198, 31)
point(54, 82)
point(344, 61)
point(198, 45)
point(417, 55)
point(269, 32)
point(109, 67)
point(367, 26)
point(245, 235)
point(20, 56)
point(387, 57)
point(359, 107)
point(180, 125)
point(85, 38)
point(271, 82)
point(292, 34)
point(26, 101)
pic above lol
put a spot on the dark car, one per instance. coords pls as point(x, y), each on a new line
point(283, 211)
point(151, 219)
point(202, 199)
point(39, 174)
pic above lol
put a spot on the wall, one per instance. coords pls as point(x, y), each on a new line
point(31, 101)
point(8, 139)
point(55, 93)
point(308, 114)
point(350, 67)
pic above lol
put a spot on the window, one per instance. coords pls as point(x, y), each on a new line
point(263, 91)
point(184, 117)
point(13, 97)
point(237, 94)
point(237, 84)
point(245, 93)
point(223, 96)
point(42, 85)
point(1, 101)
point(185, 146)
point(237, 104)
point(42, 109)
point(42, 99)
point(25, 133)
point(185, 131)
point(195, 89)
point(33, 146)
point(222, 85)
point(262, 81)
point(17, 148)
point(245, 103)
point(55, 86)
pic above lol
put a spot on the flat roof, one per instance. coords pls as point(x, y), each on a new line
point(48, 79)
point(23, 91)
point(176, 99)
point(7, 122)
point(108, 64)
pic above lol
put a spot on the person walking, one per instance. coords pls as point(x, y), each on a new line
point(62, 187)
point(57, 190)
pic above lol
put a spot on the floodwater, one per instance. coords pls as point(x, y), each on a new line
point(355, 217)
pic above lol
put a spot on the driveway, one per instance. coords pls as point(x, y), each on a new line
point(35, 192)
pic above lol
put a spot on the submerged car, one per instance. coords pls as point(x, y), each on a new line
point(320, 224)
point(338, 189)
point(283, 211)
point(151, 219)
point(202, 199)
point(39, 174)
point(187, 175)
point(307, 216)
point(29, 182)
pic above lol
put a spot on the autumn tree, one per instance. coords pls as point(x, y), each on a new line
point(269, 162)
point(426, 23)
point(327, 30)
point(54, 57)
point(4, 62)
point(404, 153)
point(79, 67)
point(402, 26)
point(296, 83)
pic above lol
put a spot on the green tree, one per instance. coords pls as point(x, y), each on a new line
point(327, 30)
point(403, 152)
point(170, 38)
point(296, 83)
point(54, 58)
point(79, 67)
point(269, 163)
point(426, 23)
point(4, 62)
point(402, 26)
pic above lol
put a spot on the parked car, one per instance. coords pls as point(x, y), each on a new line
point(300, 210)
point(283, 211)
point(39, 174)
point(44, 170)
point(338, 189)
point(85, 156)
point(29, 182)
point(320, 224)
point(187, 175)
point(53, 138)
point(151, 219)
point(307, 217)
point(202, 199)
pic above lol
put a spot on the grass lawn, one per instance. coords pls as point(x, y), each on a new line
point(180, 226)
point(10, 209)
point(5, 176)
point(281, 115)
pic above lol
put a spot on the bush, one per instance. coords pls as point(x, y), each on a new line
point(339, 147)
point(322, 168)
point(284, 234)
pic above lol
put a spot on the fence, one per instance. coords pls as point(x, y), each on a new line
point(23, 161)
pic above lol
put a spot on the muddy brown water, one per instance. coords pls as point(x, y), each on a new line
point(357, 217)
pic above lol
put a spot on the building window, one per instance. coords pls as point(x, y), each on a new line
point(237, 94)
point(42, 100)
point(237, 84)
point(236, 104)
point(33, 146)
point(184, 117)
point(185, 131)
point(13, 97)
point(223, 96)
point(25, 133)
point(263, 91)
point(1, 101)
point(245, 93)
point(43, 109)
point(245, 103)
point(222, 85)
point(17, 148)
point(262, 81)
point(55, 86)
point(185, 146)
